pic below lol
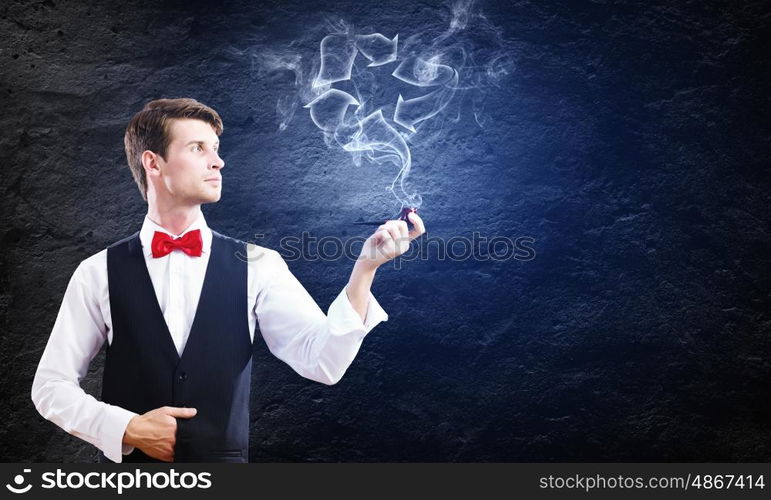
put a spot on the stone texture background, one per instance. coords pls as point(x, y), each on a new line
point(630, 140)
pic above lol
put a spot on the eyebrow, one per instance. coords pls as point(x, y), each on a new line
point(216, 143)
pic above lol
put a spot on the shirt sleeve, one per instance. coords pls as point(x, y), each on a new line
point(317, 346)
point(77, 336)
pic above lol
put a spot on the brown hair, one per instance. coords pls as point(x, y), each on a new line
point(148, 130)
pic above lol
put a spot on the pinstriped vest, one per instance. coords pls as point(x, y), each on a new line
point(143, 370)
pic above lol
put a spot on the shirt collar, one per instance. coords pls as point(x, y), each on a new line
point(149, 228)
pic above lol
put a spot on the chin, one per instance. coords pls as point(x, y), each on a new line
point(211, 198)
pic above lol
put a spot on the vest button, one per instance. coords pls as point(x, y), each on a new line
point(183, 376)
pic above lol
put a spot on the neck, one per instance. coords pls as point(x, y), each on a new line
point(173, 219)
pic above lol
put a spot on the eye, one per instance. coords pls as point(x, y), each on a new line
point(197, 148)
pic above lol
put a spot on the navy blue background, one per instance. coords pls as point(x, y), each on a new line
point(630, 140)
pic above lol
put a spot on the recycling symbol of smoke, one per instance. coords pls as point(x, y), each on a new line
point(381, 139)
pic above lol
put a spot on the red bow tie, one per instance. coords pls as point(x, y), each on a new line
point(191, 243)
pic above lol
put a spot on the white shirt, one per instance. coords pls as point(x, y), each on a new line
point(316, 346)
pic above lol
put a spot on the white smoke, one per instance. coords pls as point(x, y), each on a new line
point(339, 87)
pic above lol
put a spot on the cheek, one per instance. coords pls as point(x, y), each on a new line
point(177, 180)
point(181, 174)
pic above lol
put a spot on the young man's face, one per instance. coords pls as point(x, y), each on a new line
point(190, 174)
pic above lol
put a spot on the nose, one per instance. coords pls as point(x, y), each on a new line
point(217, 162)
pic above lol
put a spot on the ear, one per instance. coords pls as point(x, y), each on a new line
point(151, 163)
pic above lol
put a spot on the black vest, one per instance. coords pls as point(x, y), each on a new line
point(143, 371)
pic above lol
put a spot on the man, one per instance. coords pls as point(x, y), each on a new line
point(178, 305)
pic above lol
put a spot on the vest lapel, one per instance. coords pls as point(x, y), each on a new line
point(203, 299)
point(138, 258)
point(135, 249)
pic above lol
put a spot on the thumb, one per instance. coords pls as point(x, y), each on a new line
point(181, 412)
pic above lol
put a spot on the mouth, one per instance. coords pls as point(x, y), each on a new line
point(214, 179)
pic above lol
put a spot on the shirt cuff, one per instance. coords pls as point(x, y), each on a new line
point(344, 319)
point(116, 420)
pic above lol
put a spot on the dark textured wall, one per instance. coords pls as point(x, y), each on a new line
point(630, 140)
